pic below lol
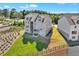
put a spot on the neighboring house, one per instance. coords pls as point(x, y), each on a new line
point(38, 24)
point(68, 25)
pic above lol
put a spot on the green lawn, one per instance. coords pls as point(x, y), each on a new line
point(19, 48)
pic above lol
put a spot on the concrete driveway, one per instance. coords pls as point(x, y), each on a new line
point(73, 51)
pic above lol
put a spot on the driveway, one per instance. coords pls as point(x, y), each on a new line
point(73, 51)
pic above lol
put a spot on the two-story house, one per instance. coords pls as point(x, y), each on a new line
point(68, 25)
point(37, 24)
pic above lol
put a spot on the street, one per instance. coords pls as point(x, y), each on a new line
point(73, 51)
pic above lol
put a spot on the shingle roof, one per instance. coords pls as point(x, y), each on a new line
point(71, 18)
point(33, 15)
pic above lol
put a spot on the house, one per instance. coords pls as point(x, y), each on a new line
point(68, 26)
point(38, 24)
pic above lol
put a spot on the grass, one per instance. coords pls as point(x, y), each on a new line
point(19, 48)
point(57, 37)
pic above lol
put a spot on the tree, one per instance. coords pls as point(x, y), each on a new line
point(5, 13)
point(19, 15)
point(55, 19)
point(23, 13)
point(1, 12)
point(13, 13)
point(2, 18)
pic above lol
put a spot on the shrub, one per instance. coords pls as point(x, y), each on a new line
point(16, 23)
point(25, 40)
point(41, 45)
point(2, 18)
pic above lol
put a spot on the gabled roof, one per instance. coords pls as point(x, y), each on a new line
point(36, 15)
point(33, 15)
point(71, 18)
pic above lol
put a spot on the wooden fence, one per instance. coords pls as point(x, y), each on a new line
point(61, 50)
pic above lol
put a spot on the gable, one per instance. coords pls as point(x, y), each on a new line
point(31, 16)
point(40, 18)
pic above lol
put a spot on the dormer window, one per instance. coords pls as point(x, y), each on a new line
point(28, 18)
point(39, 19)
point(77, 21)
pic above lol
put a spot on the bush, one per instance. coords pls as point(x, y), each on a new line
point(2, 18)
point(16, 23)
point(41, 45)
point(55, 19)
point(25, 40)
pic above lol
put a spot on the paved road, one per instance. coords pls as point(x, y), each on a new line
point(73, 51)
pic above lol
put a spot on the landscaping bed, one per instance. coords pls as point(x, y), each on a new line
point(41, 41)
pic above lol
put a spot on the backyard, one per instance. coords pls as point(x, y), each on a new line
point(19, 48)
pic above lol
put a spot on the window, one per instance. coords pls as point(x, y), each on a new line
point(35, 29)
point(78, 22)
point(75, 26)
point(27, 30)
point(27, 18)
point(41, 29)
point(74, 32)
point(27, 26)
point(27, 21)
point(30, 18)
point(43, 20)
point(35, 34)
point(39, 19)
point(73, 37)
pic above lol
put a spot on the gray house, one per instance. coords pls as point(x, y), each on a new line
point(68, 25)
point(37, 24)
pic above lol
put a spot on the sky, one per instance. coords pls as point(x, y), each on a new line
point(48, 7)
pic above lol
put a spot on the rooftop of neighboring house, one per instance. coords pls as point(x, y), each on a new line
point(71, 18)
